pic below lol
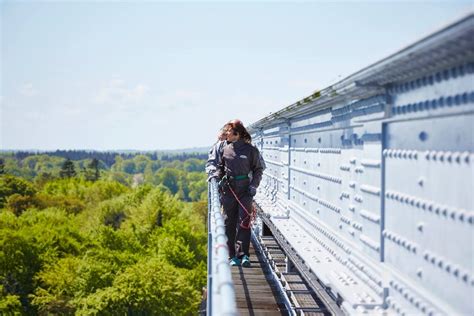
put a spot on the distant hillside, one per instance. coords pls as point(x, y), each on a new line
point(197, 150)
point(109, 157)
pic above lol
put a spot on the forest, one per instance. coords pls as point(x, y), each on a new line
point(81, 236)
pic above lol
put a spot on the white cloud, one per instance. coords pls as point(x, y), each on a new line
point(180, 99)
point(117, 92)
point(28, 90)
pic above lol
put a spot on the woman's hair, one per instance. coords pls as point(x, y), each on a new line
point(237, 127)
point(221, 135)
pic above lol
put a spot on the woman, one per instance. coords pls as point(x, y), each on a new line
point(215, 153)
point(239, 159)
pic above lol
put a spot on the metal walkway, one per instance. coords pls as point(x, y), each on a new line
point(255, 295)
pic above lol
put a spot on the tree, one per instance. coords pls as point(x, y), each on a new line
point(2, 166)
point(67, 169)
point(10, 185)
point(17, 203)
point(169, 177)
point(92, 172)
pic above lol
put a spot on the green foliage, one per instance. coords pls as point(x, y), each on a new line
point(9, 304)
point(82, 245)
point(19, 261)
point(169, 177)
point(120, 177)
point(112, 212)
point(58, 285)
point(194, 165)
point(10, 185)
point(92, 172)
point(67, 170)
point(135, 291)
point(69, 204)
point(53, 232)
point(17, 203)
point(179, 244)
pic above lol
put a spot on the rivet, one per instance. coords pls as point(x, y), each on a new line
point(441, 156)
point(470, 218)
point(449, 101)
point(453, 214)
point(420, 226)
point(447, 267)
point(464, 98)
point(448, 156)
point(457, 157)
point(440, 263)
point(457, 99)
point(465, 157)
point(441, 101)
point(456, 271)
point(419, 273)
point(444, 211)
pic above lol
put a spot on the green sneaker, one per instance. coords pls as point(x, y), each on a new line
point(234, 261)
point(245, 261)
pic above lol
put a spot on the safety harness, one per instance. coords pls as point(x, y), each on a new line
point(250, 215)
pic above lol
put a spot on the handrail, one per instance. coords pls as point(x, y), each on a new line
point(220, 287)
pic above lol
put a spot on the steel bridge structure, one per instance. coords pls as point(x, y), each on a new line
point(368, 189)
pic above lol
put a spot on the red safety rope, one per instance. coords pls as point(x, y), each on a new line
point(249, 215)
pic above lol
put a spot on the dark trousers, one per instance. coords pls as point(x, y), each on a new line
point(238, 237)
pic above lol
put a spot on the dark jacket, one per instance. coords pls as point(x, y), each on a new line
point(215, 154)
point(241, 158)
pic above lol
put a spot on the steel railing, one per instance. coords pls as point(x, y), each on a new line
point(220, 287)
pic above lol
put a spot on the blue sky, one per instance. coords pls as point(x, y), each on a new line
point(166, 75)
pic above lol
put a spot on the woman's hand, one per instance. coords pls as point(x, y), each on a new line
point(252, 190)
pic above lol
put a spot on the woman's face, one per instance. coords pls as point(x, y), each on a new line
point(232, 136)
